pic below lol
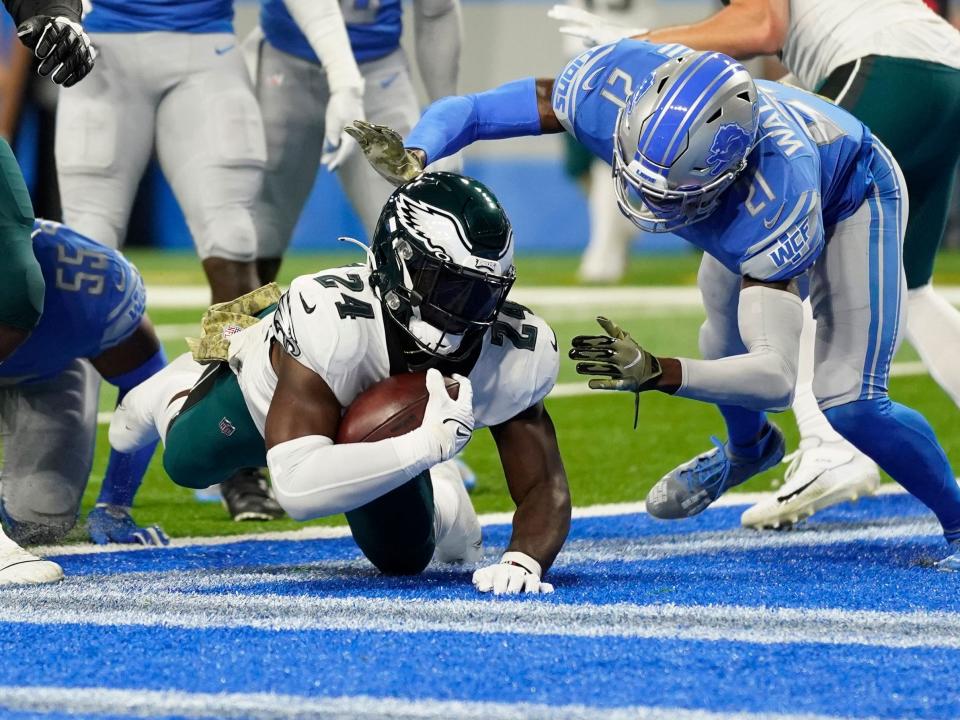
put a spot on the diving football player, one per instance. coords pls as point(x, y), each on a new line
point(433, 297)
point(759, 176)
point(93, 310)
point(895, 65)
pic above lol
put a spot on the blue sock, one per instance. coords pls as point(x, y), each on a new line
point(901, 441)
point(745, 430)
point(125, 471)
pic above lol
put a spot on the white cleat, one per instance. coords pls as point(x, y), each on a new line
point(820, 475)
point(19, 567)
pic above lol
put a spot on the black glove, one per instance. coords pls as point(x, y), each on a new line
point(51, 28)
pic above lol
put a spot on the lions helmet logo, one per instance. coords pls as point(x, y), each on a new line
point(632, 101)
point(730, 145)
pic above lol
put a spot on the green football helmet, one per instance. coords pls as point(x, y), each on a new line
point(443, 252)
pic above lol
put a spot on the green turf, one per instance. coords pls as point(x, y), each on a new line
point(181, 268)
point(606, 460)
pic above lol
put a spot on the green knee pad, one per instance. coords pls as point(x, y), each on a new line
point(214, 436)
point(395, 531)
point(21, 280)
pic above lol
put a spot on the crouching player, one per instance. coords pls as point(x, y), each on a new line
point(93, 310)
point(433, 297)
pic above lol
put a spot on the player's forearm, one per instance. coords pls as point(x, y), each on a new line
point(542, 521)
point(314, 478)
point(763, 378)
point(439, 36)
point(321, 21)
point(742, 30)
point(453, 123)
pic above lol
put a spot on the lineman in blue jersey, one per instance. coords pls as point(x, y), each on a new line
point(171, 76)
point(776, 186)
point(93, 310)
point(313, 78)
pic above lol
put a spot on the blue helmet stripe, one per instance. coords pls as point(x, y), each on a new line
point(664, 126)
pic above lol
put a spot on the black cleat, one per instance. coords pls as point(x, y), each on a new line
point(247, 496)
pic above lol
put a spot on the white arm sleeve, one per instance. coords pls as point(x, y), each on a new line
point(765, 377)
point(313, 478)
point(439, 36)
point(322, 23)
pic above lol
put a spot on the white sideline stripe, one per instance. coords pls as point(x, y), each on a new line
point(580, 389)
point(128, 603)
point(323, 532)
point(271, 706)
point(685, 296)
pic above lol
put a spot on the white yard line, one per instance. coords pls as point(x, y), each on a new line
point(322, 532)
point(109, 604)
point(667, 296)
point(271, 706)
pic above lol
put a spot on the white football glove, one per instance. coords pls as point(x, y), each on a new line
point(451, 421)
point(343, 107)
point(516, 573)
point(591, 29)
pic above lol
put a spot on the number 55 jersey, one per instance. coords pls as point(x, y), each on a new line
point(333, 324)
point(94, 300)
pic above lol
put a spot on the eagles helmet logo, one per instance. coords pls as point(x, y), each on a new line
point(431, 225)
point(729, 146)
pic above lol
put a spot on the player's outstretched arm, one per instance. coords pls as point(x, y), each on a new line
point(517, 109)
point(770, 317)
point(743, 29)
point(535, 475)
point(51, 28)
point(313, 477)
point(125, 366)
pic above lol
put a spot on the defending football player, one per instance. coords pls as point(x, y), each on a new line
point(895, 65)
point(332, 76)
point(759, 176)
point(432, 297)
point(93, 310)
point(170, 76)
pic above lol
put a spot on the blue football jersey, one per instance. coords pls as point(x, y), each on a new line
point(809, 170)
point(194, 16)
point(373, 26)
point(94, 299)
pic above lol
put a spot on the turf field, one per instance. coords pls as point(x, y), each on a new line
point(696, 620)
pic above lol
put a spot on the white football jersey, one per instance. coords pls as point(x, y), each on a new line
point(333, 324)
point(825, 34)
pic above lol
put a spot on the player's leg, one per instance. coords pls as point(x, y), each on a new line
point(825, 469)
point(608, 251)
point(21, 281)
point(457, 529)
point(292, 94)
point(104, 137)
point(753, 443)
point(388, 99)
point(211, 148)
point(860, 310)
point(929, 163)
point(48, 456)
point(397, 531)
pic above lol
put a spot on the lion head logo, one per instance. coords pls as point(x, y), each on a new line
point(729, 146)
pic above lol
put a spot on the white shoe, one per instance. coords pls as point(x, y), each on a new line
point(18, 567)
point(820, 475)
point(462, 541)
point(601, 268)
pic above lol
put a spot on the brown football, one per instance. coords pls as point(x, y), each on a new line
point(388, 409)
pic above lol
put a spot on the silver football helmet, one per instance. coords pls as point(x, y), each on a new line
point(682, 138)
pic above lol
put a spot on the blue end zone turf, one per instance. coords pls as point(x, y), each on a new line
point(843, 617)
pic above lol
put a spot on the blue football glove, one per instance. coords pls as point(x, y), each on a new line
point(113, 524)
